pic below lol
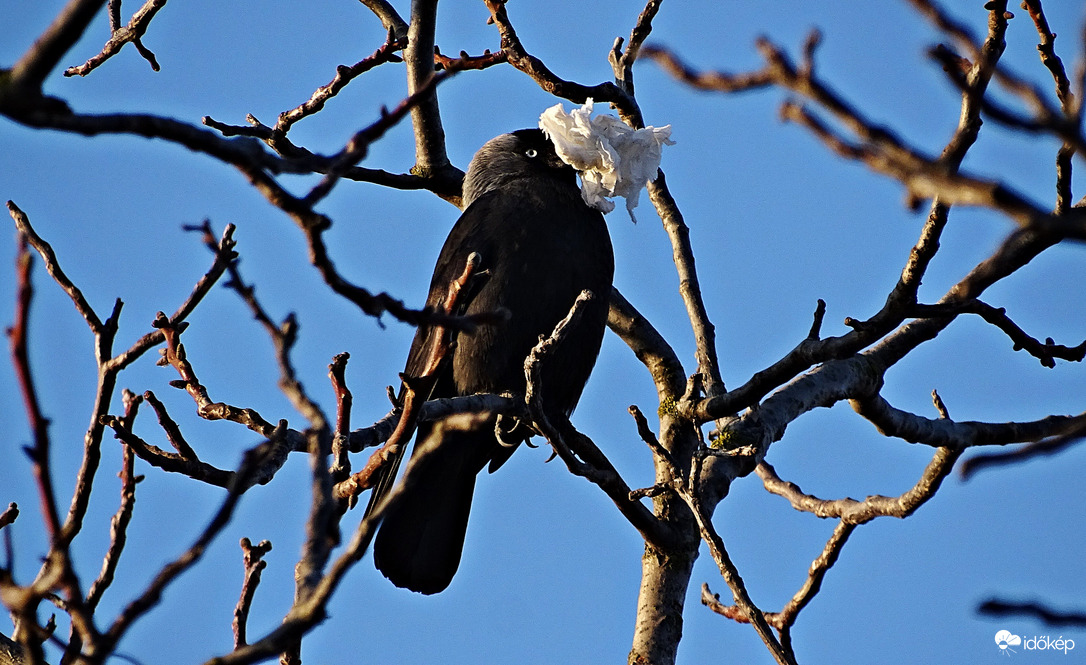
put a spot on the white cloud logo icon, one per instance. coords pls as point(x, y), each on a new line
point(1005, 639)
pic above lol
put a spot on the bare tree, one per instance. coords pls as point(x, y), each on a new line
point(707, 435)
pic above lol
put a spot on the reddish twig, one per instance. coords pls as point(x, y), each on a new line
point(169, 426)
point(876, 146)
point(344, 75)
point(416, 391)
point(1047, 50)
point(9, 516)
point(253, 558)
point(283, 335)
point(151, 594)
point(519, 57)
point(174, 355)
point(192, 467)
point(118, 526)
point(465, 61)
point(341, 461)
point(18, 335)
point(224, 256)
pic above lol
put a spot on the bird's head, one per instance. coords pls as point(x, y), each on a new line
point(509, 157)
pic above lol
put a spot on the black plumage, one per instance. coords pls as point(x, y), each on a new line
point(539, 245)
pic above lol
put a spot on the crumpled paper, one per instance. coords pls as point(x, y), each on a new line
point(614, 159)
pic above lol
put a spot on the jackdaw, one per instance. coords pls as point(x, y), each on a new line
point(538, 245)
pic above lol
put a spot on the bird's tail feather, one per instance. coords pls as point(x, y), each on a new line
point(421, 537)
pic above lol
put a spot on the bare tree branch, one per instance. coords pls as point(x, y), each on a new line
point(648, 345)
point(1046, 352)
point(570, 444)
point(133, 33)
point(551, 83)
point(171, 571)
point(948, 433)
point(388, 16)
point(622, 60)
point(691, 476)
point(36, 64)
point(1041, 612)
point(860, 512)
point(430, 155)
point(118, 526)
point(253, 558)
point(18, 338)
point(786, 618)
point(689, 287)
point(1046, 446)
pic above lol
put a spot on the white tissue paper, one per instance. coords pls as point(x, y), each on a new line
point(614, 159)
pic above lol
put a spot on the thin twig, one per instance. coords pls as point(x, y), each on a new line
point(253, 558)
point(283, 335)
point(547, 80)
point(1047, 352)
point(622, 61)
point(341, 461)
point(120, 36)
point(18, 339)
point(851, 511)
point(344, 75)
point(579, 453)
point(118, 526)
point(171, 571)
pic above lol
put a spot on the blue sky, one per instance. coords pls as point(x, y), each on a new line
point(550, 570)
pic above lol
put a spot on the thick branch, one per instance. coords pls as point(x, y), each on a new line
point(31, 70)
point(944, 432)
point(648, 345)
point(388, 16)
point(430, 155)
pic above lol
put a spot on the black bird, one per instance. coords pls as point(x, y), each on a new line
point(538, 245)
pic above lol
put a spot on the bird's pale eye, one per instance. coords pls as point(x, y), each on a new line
point(531, 153)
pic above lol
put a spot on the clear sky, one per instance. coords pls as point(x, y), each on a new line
point(550, 570)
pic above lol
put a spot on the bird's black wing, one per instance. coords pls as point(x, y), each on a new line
point(451, 264)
